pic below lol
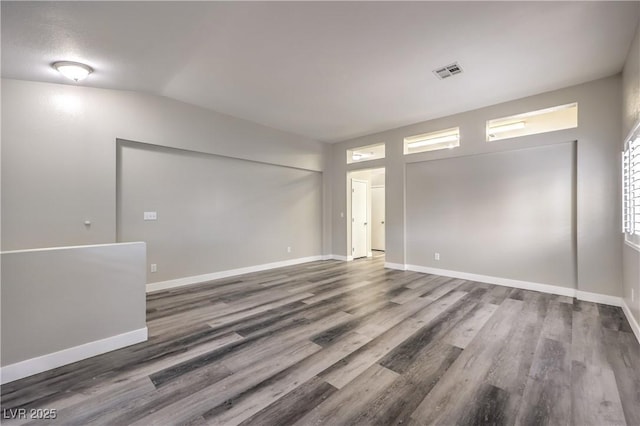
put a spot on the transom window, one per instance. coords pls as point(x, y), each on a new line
point(365, 153)
point(442, 139)
point(533, 122)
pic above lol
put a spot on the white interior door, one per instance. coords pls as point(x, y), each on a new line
point(377, 218)
point(358, 218)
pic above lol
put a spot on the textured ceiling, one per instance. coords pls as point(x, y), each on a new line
point(326, 70)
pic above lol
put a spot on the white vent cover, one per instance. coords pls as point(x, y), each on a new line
point(448, 71)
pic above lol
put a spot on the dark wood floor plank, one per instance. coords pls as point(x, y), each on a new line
point(140, 407)
point(248, 403)
point(399, 400)
point(456, 393)
point(349, 402)
point(442, 289)
point(547, 396)
point(388, 318)
point(293, 405)
point(93, 408)
point(587, 338)
point(416, 288)
point(472, 285)
point(623, 353)
point(464, 332)
point(558, 323)
point(490, 407)
point(245, 351)
point(269, 346)
point(196, 404)
point(351, 366)
point(337, 291)
point(495, 295)
point(405, 354)
point(512, 363)
point(231, 314)
point(612, 318)
point(594, 396)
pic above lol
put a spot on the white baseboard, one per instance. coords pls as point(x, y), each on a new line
point(507, 282)
point(632, 321)
point(397, 266)
point(599, 298)
point(53, 360)
point(196, 279)
point(349, 258)
point(525, 285)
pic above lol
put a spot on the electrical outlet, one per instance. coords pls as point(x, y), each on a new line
point(288, 249)
point(436, 256)
point(154, 267)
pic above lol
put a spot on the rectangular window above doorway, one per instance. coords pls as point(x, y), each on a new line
point(365, 153)
point(530, 123)
point(442, 139)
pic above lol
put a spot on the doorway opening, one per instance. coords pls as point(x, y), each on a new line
point(366, 208)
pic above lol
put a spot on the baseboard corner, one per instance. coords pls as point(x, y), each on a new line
point(603, 299)
point(632, 321)
point(338, 257)
point(397, 266)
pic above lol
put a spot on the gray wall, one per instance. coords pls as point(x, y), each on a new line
point(599, 241)
point(631, 114)
point(59, 155)
point(85, 294)
point(507, 214)
point(215, 213)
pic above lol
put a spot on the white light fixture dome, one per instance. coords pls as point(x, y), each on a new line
point(73, 70)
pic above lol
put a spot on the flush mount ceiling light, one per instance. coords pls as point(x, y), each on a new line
point(73, 70)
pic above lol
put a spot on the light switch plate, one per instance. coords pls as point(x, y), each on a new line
point(150, 215)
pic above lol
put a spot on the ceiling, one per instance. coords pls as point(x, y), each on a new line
point(326, 70)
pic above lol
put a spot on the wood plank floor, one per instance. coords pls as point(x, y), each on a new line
point(353, 343)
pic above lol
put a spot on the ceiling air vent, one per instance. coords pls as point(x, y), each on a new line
point(448, 71)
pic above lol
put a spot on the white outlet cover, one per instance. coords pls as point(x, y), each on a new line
point(150, 215)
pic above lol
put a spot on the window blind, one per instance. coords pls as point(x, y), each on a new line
point(631, 188)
